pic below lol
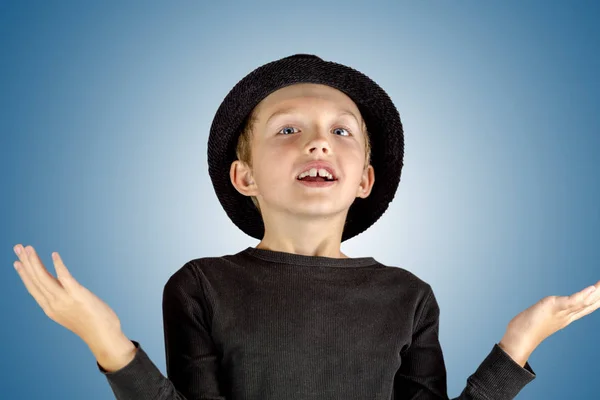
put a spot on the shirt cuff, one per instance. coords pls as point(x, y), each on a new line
point(501, 377)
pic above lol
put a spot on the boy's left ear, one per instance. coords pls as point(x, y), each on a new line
point(241, 178)
point(366, 183)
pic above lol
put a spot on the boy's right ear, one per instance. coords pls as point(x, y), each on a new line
point(241, 178)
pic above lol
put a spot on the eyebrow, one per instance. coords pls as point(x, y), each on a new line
point(293, 110)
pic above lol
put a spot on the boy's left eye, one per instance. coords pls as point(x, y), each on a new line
point(347, 134)
point(291, 127)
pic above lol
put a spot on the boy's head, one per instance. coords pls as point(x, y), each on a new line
point(295, 125)
point(334, 104)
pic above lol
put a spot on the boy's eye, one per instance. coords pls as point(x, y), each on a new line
point(347, 134)
point(287, 128)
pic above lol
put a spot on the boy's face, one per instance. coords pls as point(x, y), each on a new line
point(296, 125)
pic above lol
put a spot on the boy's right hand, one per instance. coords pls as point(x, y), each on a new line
point(66, 301)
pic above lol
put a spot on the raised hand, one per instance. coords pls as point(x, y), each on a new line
point(66, 301)
point(531, 327)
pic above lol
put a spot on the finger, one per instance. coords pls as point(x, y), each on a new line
point(63, 274)
point(27, 274)
point(589, 298)
point(586, 310)
point(31, 286)
point(47, 283)
point(576, 300)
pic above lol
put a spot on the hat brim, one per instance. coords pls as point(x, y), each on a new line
point(379, 113)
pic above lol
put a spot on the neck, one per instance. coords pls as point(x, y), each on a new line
point(301, 235)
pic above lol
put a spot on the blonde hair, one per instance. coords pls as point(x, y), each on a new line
point(243, 149)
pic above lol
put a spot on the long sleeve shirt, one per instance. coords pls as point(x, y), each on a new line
point(270, 325)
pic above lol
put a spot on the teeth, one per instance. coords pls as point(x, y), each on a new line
point(313, 172)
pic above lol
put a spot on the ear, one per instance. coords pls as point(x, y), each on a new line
point(366, 183)
point(241, 178)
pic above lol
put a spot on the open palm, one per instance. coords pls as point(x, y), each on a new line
point(553, 313)
point(63, 299)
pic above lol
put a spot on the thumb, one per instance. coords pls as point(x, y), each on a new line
point(62, 273)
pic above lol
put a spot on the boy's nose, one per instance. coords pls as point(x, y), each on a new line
point(319, 144)
point(319, 140)
point(320, 149)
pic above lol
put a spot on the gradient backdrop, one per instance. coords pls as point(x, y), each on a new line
point(105, 111)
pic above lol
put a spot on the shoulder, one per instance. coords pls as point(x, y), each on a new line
point(416, 293)
point(425, 301)
point(192, 284)
point(406, 276)
point(192, 274)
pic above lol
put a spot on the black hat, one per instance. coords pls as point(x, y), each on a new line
point(379, 113)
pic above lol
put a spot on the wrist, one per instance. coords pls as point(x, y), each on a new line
point(113, 353)
point(518, 348)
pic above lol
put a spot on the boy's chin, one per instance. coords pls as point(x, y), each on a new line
point(320, 209)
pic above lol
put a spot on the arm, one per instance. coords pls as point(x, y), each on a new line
point(422, 374)
point(192, 359)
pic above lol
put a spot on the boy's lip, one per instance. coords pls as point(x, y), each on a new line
point(318, 164)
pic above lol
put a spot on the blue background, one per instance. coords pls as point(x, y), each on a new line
point(105, 111)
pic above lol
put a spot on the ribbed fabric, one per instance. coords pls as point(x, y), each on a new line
point(268, 325)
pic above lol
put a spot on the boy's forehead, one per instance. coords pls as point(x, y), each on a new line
point(304, 94)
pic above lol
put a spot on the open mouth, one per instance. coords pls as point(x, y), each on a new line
point(316, 179)
point(318, 176)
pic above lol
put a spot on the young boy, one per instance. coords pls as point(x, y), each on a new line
point(293, 165)
point(303, 155)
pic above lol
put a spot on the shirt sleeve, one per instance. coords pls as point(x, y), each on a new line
point(422, 374)
point(191, 356)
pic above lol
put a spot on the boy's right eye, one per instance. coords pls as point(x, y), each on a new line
point(286, 128)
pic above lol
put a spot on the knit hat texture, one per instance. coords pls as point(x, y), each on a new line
point(379, 113)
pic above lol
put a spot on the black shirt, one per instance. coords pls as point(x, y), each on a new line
point(266, 325)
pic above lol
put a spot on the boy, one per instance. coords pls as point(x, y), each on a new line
point(303, 154)
point(294, 318)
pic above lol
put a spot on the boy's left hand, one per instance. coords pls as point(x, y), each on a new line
point(531, 327)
